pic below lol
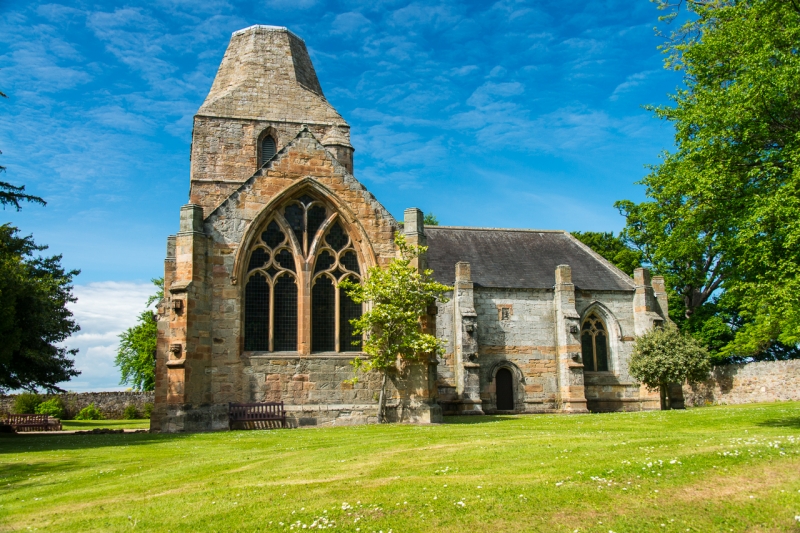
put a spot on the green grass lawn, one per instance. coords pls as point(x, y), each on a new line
point(82, 425)
point(708, 469)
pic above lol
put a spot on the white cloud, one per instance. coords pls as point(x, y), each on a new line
point(634, 80)
point(103, 311)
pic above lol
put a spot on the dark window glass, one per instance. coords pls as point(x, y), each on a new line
point(601, 352)
point(256, 314)
point(323, 316)
point(336, 238)
point(324, 262)
point(258, 259)
point(350, 262)
point(267, 149)
point(587, 325)
point(587, 352)
point(338, 273)
point(348, 309)
point(273, 235)
point(305, 199)
point(285, 259)
point(271, 271)
point(285, 314)
point(316, 216)
point(294, 216)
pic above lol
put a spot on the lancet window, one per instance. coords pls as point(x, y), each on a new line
point(268, 148)
point(292, 294)
point(594, 344)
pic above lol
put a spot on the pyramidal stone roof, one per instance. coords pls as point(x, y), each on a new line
point(519, 259)
point(266, 74)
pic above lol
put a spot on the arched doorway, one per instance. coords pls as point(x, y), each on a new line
point(505, 390)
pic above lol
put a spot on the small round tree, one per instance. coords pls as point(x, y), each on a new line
point(665, 355)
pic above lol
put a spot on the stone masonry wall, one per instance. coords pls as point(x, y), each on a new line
point(766, 381)
point(111, 404)
point(526, 340)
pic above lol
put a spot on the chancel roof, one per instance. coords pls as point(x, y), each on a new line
point(510, 258)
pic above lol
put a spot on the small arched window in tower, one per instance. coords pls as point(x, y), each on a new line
point(594, 344)
point(268, 148)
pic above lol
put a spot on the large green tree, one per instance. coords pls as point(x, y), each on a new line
point(34, 318)
point(722, 217)
point(14, 194)
point(136, 355)
point(398, 296)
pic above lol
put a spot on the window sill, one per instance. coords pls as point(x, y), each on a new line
point(298, 355)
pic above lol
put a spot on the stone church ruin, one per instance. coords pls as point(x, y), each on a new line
point(252, 309)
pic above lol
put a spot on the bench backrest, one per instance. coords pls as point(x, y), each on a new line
point(27, 419)
point(255, 411)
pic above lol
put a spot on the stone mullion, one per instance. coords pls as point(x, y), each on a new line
point(304, 309)
point(271, 314)
point(336, 314)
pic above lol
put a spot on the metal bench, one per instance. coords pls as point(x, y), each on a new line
point(23, 423)
point(264, 415)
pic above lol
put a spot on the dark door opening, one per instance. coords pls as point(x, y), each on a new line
point(505, 390)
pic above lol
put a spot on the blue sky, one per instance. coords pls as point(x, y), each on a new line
point(506, 114)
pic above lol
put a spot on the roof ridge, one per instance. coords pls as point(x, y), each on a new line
point(479, 228)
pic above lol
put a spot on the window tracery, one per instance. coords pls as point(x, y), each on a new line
point(302, 255)
point(594, 344)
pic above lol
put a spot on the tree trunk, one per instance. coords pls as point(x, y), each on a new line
point(382, 400)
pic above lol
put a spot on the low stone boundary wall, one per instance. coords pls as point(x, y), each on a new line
point(111, 404)
point(766, 381)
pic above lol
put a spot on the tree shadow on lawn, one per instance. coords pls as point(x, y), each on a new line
point(478, 419)
point(21, 471)
point(42, 442)
point(786, 422)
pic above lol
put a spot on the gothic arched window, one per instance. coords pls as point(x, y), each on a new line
point(268, 148)
point(594, 344)
point(300, 257)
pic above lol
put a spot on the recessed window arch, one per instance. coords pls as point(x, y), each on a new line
point(292, 291)
point(268, 148)
point(594, 344)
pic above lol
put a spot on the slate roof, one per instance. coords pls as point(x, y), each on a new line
point(511, 258)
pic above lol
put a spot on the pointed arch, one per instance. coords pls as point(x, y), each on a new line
point(612, 332)
point(301, 250)
point(267, 145)
point(362, 243)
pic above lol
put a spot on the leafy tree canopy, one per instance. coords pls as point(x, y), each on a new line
point(399, 296)
point(430, 220)
point(34, 318)
point(136, 355)
point(665, 355)
point(723, 209)
point(614, 248)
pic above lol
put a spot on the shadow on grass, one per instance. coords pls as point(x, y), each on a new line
point(788, 422)
point(478, 419)
point(20, 472)
point(43, 442)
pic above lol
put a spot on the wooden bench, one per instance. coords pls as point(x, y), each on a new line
point(264, 415)
point(22, 423)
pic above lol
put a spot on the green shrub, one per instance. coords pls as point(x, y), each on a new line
point(148, 410)
point(26, 403)
point(130, 412)
point(52, 407)
point(90, 412)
